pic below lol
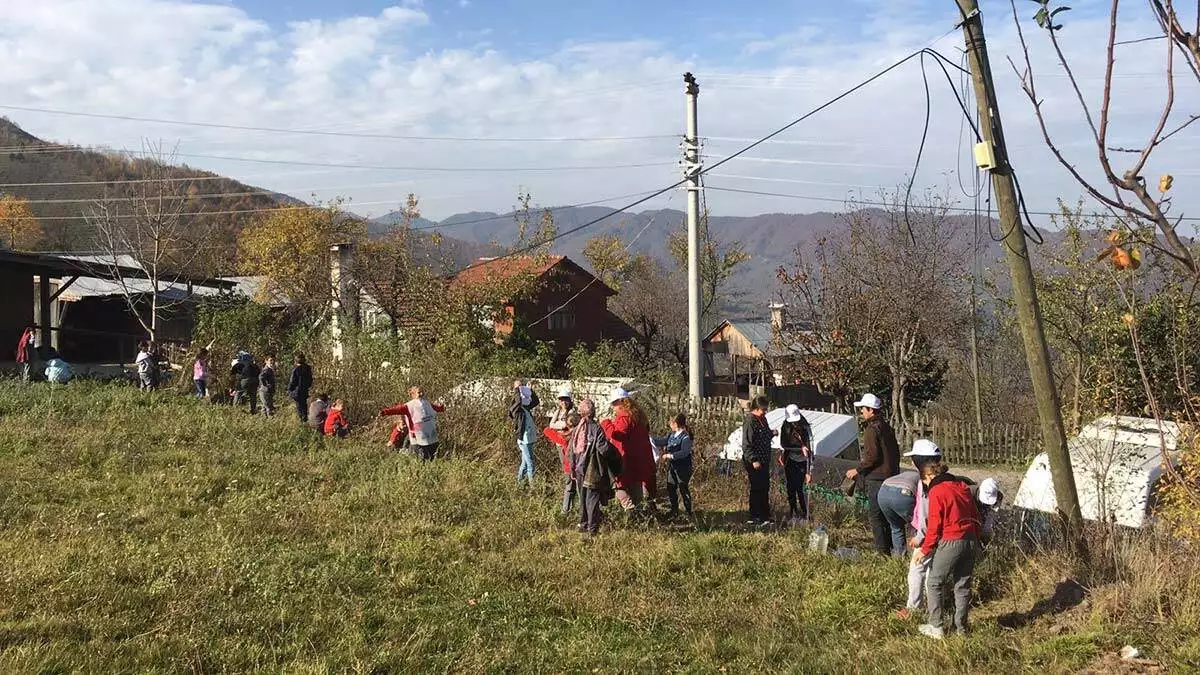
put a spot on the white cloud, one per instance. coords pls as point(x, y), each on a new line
point(212, 62)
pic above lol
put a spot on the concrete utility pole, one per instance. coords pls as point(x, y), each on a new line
point(1024, 293)
point(691, 171)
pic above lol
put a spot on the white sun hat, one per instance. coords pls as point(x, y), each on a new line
point(869, 401)
point(923, 447)
point(793, 413)
point(618, 394)
point(565, 391)
point(989, 491)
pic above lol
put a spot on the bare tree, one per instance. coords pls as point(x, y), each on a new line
point(889, 292)
point(1126, 194)
point(397, 275)
point(147, 225)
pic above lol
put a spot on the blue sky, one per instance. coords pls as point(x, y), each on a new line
point(542, 70)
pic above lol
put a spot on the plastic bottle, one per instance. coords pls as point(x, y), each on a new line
point(819, 540)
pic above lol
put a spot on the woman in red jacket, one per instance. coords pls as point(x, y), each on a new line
point(952, 537)
point(629, 433)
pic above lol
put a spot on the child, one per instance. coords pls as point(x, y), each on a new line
point(145, 367)
point(525, 401)
point(200, 373)
point(419, 417)
point(336, 423)
point(796, 459)
point(318, 412)
point(756, 458)
point(990, 498)
point(952, 536)
point(266, 386)
point(678, 454)
point(558, 432)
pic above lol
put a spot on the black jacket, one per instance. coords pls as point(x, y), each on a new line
point(880, 451)
point(301, 381)
point(266, 380)
point(756, 439)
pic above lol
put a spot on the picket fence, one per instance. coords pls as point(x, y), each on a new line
point(967, 443)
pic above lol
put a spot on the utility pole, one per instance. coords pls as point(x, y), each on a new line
point(691, 172)
point(1029, 314)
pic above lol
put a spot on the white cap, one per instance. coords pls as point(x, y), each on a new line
point(618, 394)
point(869, 401)
point(989, 492)
point(793, 413)
point(923, 447)
point(565, 391)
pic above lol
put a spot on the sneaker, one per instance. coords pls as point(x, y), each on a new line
point(904, 614)
point(754, 522)
point(582, 527)
point(931, 631)
point(766, 523)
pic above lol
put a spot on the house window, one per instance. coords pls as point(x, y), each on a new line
point(563, 319)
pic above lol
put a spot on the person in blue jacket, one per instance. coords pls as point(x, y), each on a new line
point(677, 452)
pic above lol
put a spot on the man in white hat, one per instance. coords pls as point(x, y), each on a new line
point(880, 461)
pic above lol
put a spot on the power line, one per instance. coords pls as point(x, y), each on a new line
point(628, 246)
point(864, 202)
point(339, 134)
point(439, 169)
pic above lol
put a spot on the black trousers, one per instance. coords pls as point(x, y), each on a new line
point(425, 452)
point(302, 406)
point(794, 474)
point(679, 485)
point(880, 530)
point(760, 490)
point(591, 510)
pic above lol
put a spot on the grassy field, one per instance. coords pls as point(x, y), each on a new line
point(156, 533)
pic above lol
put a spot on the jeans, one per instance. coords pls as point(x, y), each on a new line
point(760, 490)
point(882, 533)
point(201, 388)
point(569, 490)
point(591, 512)
point(794, 474)
point(426, 453)
point(266, 399)
point(145, 381)
point(897, 505)
point(917, 572)
point(953, 564)
point(526, 467)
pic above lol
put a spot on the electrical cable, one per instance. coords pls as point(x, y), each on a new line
point(339, 134)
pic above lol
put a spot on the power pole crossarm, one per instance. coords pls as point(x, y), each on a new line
point(1029, 314)
point(691, 172)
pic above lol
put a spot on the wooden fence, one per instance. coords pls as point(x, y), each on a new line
point(966, 443)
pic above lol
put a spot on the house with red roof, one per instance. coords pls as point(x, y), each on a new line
point(551, 297)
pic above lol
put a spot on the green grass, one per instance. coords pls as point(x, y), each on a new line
point(155, 533)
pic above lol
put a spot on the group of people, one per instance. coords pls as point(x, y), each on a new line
point(606, 457)
point(944, 519)
point(56, 371)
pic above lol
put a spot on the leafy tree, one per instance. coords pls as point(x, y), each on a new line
point(609, 258)
point(400, 280)
point(20, 230)
point(290, 247)
point(719, 263)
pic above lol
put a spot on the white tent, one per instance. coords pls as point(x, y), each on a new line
point(832, 433)
point(1116, 462)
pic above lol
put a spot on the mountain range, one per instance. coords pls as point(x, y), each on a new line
point(62, 180)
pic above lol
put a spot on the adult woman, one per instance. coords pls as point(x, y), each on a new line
point(756, 457)
point(677, 453)
point(629, 433)
point(897, 501)
point(559, 422)
point(525, 401)
point(593, 464)
point(795, 437)
point(200, 373)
